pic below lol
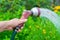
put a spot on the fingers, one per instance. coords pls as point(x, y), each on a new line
point(1, 30)
point(20, 29)
point(10, 28)
point(22, 20)
point(16, 22)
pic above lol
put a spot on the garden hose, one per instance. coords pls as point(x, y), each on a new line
point(13, 35)
point(15, 31)
point(25, 15)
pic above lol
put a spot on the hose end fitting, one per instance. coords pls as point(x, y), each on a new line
point(35, 11)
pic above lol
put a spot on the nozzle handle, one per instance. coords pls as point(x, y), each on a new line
point(25, 15)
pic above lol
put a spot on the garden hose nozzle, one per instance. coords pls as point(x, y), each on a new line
point(34, 11)
point(25, 15)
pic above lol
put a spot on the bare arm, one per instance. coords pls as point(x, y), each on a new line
point(9, 25)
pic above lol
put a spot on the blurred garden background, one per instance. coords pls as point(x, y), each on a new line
point(35, 28)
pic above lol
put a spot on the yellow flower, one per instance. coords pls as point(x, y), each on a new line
point(56, 8)
point(44, 31)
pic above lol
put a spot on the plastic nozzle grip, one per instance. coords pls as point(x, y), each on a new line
point(36, 11)
point(26, 14)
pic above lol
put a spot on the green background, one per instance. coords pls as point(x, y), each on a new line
point(35, 28)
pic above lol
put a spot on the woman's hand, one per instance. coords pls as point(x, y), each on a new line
point(9, 25)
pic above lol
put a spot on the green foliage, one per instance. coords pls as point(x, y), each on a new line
point(35, 28)
point(40, 29)
point(58, 13)
point(14, 5)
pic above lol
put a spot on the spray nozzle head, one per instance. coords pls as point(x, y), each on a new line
point(35, 11)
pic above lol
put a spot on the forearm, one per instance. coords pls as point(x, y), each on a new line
point(11, 23)
point(14, 22)
point(3, 24)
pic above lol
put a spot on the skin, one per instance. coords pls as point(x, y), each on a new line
point(9, 25)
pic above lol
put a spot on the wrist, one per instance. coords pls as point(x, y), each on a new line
point(13, 22)
point(3, 25)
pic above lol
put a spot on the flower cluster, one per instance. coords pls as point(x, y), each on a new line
point(57, 8)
